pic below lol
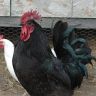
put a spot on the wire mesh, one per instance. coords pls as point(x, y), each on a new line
point(90, 36)
point(12, 33)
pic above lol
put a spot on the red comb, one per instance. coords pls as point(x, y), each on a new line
point(33, 14)
point(1, 36)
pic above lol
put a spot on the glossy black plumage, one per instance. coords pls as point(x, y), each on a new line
point(63, 35)
point(38, 71)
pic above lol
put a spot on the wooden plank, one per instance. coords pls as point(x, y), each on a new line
point(47, 22)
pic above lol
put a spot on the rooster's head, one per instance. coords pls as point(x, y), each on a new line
point(27, 22)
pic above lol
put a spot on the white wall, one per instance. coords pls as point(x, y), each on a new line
point(50, 8)
point(4, 7)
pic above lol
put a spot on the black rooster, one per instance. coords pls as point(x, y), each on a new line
point(38, 71)
point(74, 52)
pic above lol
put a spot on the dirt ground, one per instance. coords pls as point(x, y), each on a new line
point(9, 87)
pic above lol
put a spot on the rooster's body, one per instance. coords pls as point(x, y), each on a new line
point(38, 71)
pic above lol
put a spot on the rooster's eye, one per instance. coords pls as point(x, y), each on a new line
point(30, 23)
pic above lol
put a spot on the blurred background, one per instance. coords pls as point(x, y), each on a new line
point(79, 13)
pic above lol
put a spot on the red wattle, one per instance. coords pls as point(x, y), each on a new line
point(25, 32)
